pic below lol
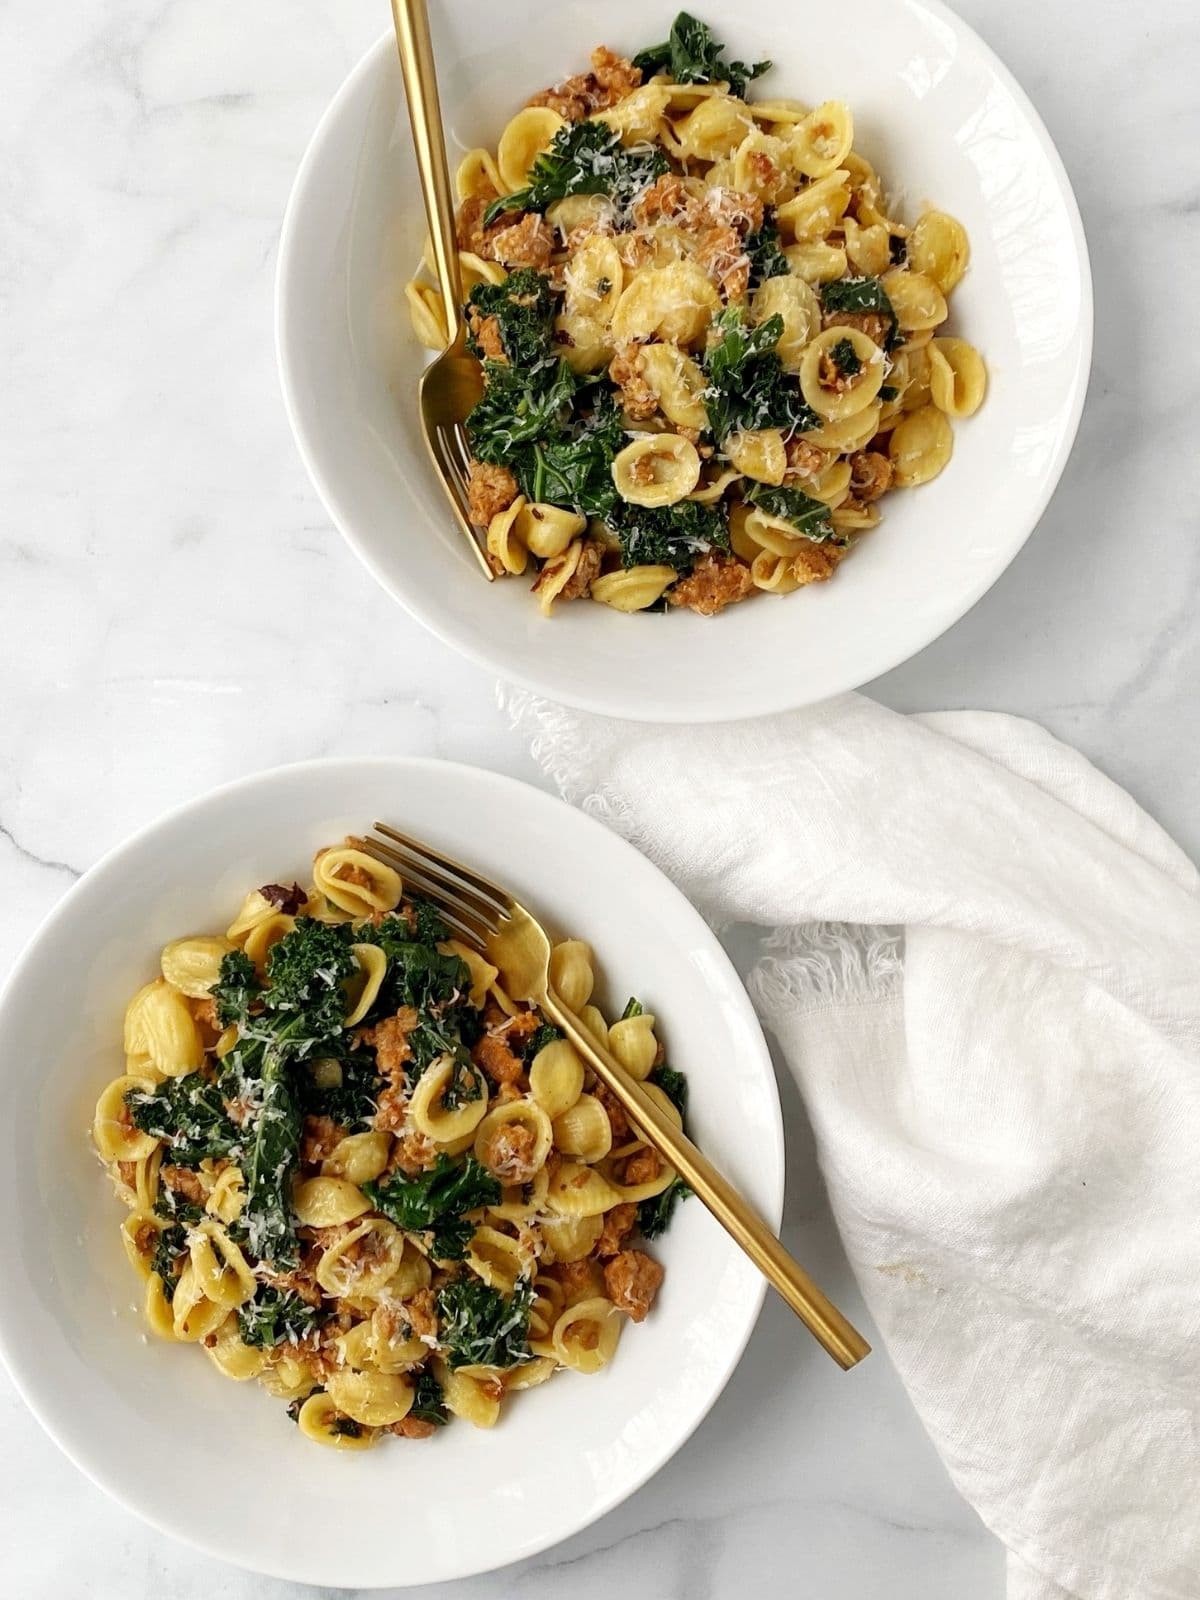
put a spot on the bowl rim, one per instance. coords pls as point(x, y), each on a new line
point(83, 1456)
point(776, 695)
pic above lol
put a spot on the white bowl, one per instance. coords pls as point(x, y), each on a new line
point(944, 122)
point(218, 1464)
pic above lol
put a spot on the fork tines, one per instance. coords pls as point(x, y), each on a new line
point(474, 907)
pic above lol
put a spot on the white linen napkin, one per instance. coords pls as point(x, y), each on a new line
point(985, 978)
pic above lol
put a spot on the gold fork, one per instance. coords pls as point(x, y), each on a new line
point(451, 385)
point(491, 920)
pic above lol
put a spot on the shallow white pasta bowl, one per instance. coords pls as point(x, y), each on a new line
point(217, 1463)
point(943, 122)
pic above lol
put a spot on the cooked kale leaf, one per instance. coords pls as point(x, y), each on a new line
point(427, 1404)
point(767, 259)
point(430, 925)
point(236, 989)
point(846, 358)
point(520, 407)
point(523, 306)
point(693, 55)
point(482, 1327)
point(633, 1008)
point(857, 295)
point(669, 536)
point(810, 518)
point(274, 1315)
point(546, 1034)
point(654, 1215)
point(168, 1255)
point(747, 386)
point(584, 158)
point(437, 1200)
point(189, 1114)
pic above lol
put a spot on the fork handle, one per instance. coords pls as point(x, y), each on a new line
point(429, 141)
point(743, 1224)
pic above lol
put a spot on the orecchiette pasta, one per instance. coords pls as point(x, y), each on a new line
point(681, 294)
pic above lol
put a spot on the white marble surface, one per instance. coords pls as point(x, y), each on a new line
point(166, 574)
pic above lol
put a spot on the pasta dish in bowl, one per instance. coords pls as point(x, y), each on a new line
point(680, 301)
point(710, 344)
point(306, 1210)
point(357, 1171)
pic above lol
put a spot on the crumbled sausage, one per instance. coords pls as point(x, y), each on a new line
point(492, 490)
point(667, 197)
point(421, 1313)
point(870, 475)
point(642, 471)
point(185, 1182)
point(389, 1040)
point(486, 332)
point(638, 399)
point(351, 872)
point(632, 1279)
point(715, 582)
point(581, 1280)
point(412, 1153)
point(618, 1122)
point(528, 243)
point(804, 460)
point(816, 562)
point(299, 1280)
point(495, 1055)
point(643, 1166)
point(411, 1427)
point(321, 1135)
point(872, 323)
point(509, 1151)
point(580, 582)
point(734, 208)
point(617, 1224)
point(127, 1172)
point(471, 233)
point(612, 78)
point(721, 252)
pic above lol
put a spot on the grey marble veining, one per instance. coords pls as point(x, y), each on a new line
point(164, 575)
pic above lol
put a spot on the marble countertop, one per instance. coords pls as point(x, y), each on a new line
point(164, 568)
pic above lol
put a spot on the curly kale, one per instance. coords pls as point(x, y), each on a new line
point(274, 1315)
point(189, 1115)
point(305, 973)
point(810, 518)
point(520, 407)
point(670, 536)
point(302, 1012)
point(482, 1327)
point(236, 989)
point(523, 306)
point(747, 386)
point(436, 1200)
point(431, 927)
point(654, 1215)
point(767, 259)
point(169, 1251)
point(693, 55)
point(584, 158)
point(857, 295)
point(846, 358)
point(427, 1404)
